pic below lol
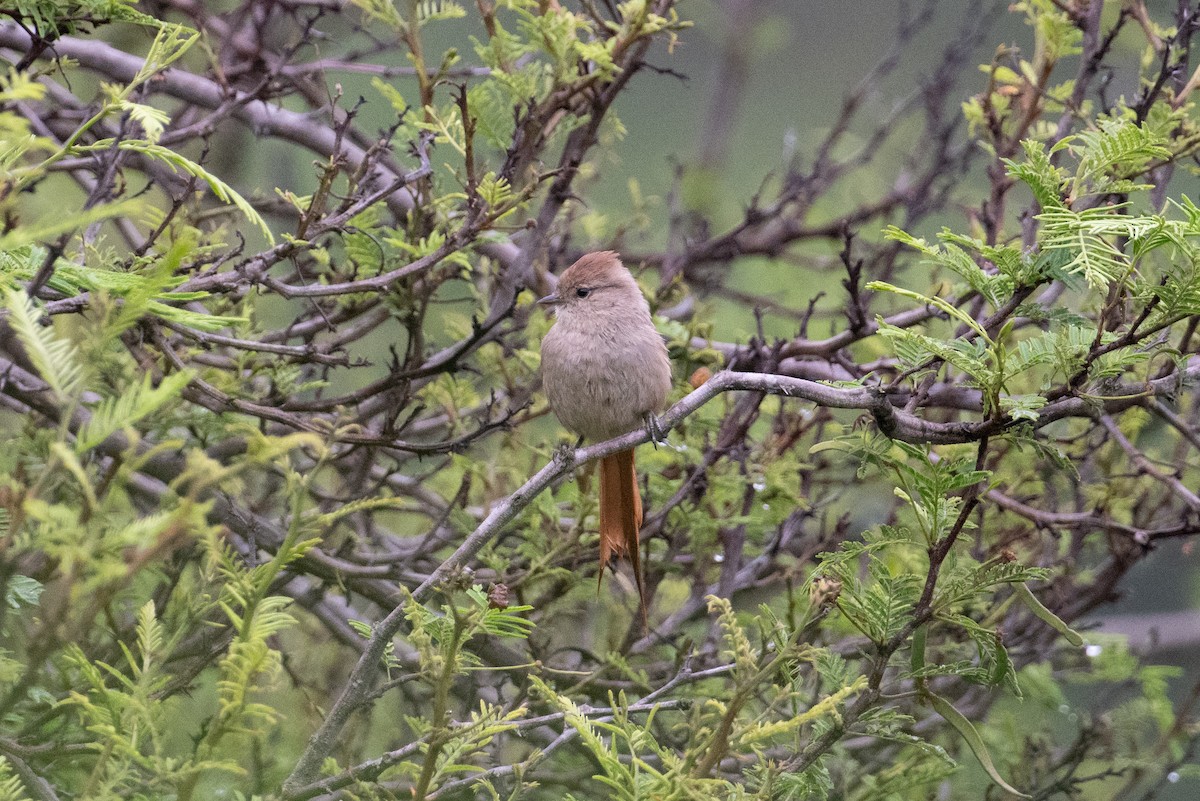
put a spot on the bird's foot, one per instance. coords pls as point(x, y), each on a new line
point(564, 454)
point(654, 429)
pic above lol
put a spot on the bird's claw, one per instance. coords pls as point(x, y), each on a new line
point(654, 429)
point(564, 454)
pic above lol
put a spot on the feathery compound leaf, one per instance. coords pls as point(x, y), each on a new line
point(1179, 295)
point(1118, 146)
point(1022, 407)
point(11, 788)
point(223, 191)
point(429, 10)
point(971, 357)
point(251, 662)
point(884, 604)
point(192, 319)
point(152, 120)
point(69, 278)
point(143, 293)
point(323, 522)
point(149, 636)
point(500, 622)
point(825, 708)
point(16, 86)
point(932, 300)
point(951, 254)
point(170, 43)
point(1039, 174)
point(53, 16)
point(963, 585)
point(20, 263)
point(1081, 234)
point(135, 403)
point(1063, 347)
point(53, 356)
point(51, 226)
point(382, 11)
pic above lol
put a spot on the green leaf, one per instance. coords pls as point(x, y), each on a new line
point(152, 120)
point(939, 303)
point(1039, 174)
point(22, 591)
point(953, 255)
point(1022, 407)
point(1082, 235)
point(382, 11)
point(51, 16)
point(16, 86)
point(53, 357)
point(142, 292)
point(223, 191)
point(11, 788)
point(192, 319)
point(50, 226)
point(170, 43)
point(1116, 145)
point(136, 402)
point(430, 10)
point(971, 357)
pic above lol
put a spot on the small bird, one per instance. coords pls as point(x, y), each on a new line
point(605, 371)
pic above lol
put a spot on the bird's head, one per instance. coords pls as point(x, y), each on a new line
point(597, 281)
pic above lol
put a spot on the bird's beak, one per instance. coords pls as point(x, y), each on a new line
point(550, 300)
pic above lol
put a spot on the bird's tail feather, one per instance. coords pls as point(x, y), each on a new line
point(621, 516)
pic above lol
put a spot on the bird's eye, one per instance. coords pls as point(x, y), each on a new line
point(582, 292)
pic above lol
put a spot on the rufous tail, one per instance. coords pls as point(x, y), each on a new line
point(621, 517)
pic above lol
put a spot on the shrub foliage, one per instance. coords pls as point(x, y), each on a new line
point(282, 512)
